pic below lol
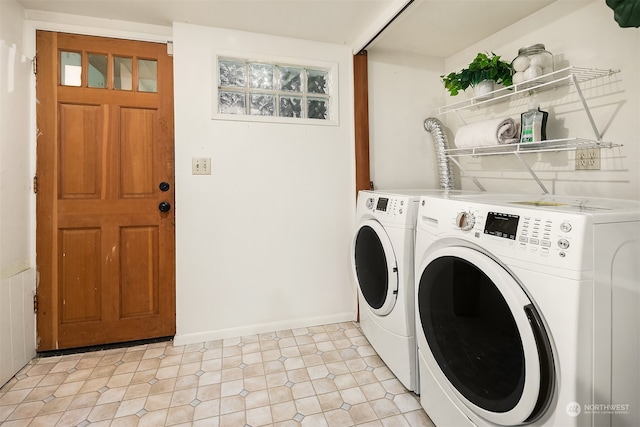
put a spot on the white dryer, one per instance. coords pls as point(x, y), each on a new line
point(382, 259)
point(382, 262)
point(528, 310)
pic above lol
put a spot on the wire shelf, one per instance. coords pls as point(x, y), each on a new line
point(553, 145)
point(563, 77)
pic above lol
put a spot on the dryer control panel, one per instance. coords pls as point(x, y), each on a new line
point(388, 208)
point(545, 237)
point(392, 206)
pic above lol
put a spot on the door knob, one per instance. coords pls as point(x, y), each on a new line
point(164, 207)
point(164, 186)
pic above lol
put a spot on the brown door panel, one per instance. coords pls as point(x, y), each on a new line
point(105, 251)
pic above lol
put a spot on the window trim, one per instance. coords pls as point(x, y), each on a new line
point(333, 98)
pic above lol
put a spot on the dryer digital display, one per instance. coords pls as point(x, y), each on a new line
point(501, 225)
point(382, 204)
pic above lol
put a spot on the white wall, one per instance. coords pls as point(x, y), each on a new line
point(263, 242)
point(403, 91)
point(577, 33)
point(17, 276)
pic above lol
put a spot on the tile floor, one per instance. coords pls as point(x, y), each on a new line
point(318, 376)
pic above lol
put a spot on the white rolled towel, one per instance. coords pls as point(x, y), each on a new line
point(504, 130)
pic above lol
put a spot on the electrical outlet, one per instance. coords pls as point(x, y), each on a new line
point(588, 159)
point(201, 166)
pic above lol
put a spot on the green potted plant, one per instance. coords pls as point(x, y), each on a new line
point(485, 67)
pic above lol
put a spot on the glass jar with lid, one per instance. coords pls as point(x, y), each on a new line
point(532, 62)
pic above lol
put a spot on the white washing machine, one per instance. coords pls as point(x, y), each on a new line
point(528, 310)
point(382, 261)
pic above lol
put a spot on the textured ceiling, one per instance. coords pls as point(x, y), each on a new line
point(437, 28)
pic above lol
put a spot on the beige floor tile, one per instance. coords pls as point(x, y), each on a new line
point(137, 390)
point(69, 389)
point(330, 401)
point(79, 375)
point(180, 414)
point(280, 394)
point(256, 399)
point(308, 405)
point(60, 404)
point(152, 353)
point(324, 385)
point(230, 388)
point(193, 357)
point(158, 401)
point(384, 408)
point(154, 418)
point(84, 400)
point(46, 420)
point(303, 389)
point(111, 395)
point(189, 381)
point(55, 378)
point(130, 421)
point(131, 406)
point(338, 418)
point(406, 402)
point(395, 421)
point(103, 371)
point(234, 419)
point(209, 378)
point(231, 404)
point(316, 420)
point(14, 397)
point(183, 397)
point(94, 384)
point(103, 412)
point(207, 409)
point(39, 393)
point(253, 370)
point(362, 413)
point(74, 416)
point(257, 417)
point(232, 374)
point(28, 382)
point(326, 375)
point(283, 411)
point(26, 410)
point(207, 422)
point(209, 392)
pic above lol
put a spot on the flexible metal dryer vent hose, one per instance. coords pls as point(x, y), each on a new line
point(436, 129)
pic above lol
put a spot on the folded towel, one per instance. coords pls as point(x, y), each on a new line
point(488, 132)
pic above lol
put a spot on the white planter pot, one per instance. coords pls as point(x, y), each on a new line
point(482, 90)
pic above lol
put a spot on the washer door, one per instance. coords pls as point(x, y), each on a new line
point(375, 266)
point(486, 339)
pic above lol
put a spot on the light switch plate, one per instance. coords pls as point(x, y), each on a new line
point(201, 166)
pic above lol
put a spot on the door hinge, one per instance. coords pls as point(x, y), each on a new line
point(35, 65)
point(35, 302)
point(35, 184)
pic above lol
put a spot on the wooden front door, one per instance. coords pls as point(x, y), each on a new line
point(105, 196)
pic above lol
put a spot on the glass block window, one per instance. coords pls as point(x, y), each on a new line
point(261, 88)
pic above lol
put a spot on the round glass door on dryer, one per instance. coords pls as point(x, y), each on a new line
point(486, 343)
point(376, 267)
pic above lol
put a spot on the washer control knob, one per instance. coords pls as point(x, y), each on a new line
point(465, 220)
point(370, 203)
point(565, 227)
point(563, 243)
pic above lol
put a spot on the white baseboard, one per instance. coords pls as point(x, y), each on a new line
point(211, 335)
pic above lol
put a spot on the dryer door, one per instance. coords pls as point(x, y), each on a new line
point(487, 344)
point(375, 267)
